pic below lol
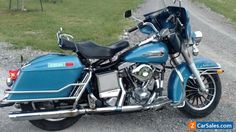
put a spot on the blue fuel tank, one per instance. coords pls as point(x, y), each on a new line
point(155, 52)
point(48, 72)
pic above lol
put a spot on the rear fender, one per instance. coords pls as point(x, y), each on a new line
point(174, 83)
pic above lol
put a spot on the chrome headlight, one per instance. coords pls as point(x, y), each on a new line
point(197, 37)
point(195, 50)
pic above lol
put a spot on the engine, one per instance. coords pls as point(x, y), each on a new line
point(143, 81)
point(138, 82)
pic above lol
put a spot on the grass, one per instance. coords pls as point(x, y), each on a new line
point(224, 7)
point(98, 20)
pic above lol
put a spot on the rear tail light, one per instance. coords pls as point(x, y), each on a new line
point(13, 74)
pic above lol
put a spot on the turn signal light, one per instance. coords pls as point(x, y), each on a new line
point(13, 74)
point(220, 71)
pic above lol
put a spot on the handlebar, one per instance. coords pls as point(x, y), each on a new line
point(170, 18)
point(135, 28)
point(132, 29)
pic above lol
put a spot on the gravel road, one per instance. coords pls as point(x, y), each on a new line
point(219, 43)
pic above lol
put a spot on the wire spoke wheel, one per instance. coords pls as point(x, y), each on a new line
point(199, 103)
point(195, 97)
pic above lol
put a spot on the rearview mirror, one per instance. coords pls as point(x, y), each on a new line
point(128, 13)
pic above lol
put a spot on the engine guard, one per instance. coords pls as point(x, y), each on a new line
point(174, 84)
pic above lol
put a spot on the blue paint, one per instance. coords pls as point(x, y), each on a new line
point(139, 54)
point(147, 30)
point(203, 62)
point(38, 76)
point(174, 83)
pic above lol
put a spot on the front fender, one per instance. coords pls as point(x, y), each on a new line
point(174, 83)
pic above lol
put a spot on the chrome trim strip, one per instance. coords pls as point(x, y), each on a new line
point(39, 100)
point(208, 71)
point(180, 75)
point(110, 93)
point(207, 68)
point(45, 91)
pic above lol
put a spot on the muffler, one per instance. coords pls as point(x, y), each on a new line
point(70, 113)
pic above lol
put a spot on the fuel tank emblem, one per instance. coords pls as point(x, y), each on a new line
point(60, 64)
point(154, 54)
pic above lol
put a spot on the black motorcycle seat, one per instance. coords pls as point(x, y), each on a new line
point(91, 50)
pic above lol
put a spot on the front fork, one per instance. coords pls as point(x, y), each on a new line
point(189, 60)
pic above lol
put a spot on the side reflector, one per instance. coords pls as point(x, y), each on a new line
point(220, 71)
point(13, 74)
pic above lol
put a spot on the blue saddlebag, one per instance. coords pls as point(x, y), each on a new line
point(47, 73)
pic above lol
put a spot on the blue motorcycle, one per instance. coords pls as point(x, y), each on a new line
point(53, 91)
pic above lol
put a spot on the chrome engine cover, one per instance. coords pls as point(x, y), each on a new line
point(142, 76)
point(143, 72)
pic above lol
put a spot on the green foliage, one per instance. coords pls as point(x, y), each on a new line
point(224, 7)
point(97, 20)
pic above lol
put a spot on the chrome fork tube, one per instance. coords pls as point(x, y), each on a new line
point(193, 69)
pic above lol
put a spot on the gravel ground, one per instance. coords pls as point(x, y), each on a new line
point(218, 43)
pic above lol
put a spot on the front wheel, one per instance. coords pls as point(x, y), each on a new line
point(200, 104)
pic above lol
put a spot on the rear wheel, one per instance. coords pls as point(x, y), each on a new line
point(201, 104)
point(55, 124)
point(50, 124)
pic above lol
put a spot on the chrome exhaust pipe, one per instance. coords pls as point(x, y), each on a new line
point(75, 112)
point(43, 115)
point(70, 113)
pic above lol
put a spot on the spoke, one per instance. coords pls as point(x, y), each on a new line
point(191, 87)
point(190, 94)
point(193, 100)
point(208, 83)
point(191, 90)
point(210, 94)
point(204, 79)
point(202, 101)
point(205, 98)
point(197, 102)
point(190, 81)
point(194, 81)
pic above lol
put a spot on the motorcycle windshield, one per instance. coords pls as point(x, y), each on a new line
point(158, 18)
